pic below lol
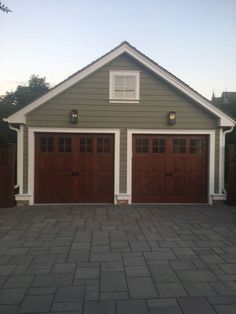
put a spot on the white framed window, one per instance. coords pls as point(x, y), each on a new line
point(124, 86)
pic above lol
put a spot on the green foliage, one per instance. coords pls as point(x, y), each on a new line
point(14, 101)
point(227, 103)
point(4, 8)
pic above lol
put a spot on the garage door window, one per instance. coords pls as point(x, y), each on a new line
point(141, 146)
point(159, 146)
point(179, 146)
point(196, 146)
point(103, 145)
point(64, 145)
point(86, 145)
point(46, 145)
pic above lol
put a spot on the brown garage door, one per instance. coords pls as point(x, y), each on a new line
point(169, 169)
point(72, 168)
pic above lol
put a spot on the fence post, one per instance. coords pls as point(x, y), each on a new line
point(7, 175)
point(231, 175)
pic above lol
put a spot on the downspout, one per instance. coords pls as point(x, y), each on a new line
point(225, 132)
point(18, 168)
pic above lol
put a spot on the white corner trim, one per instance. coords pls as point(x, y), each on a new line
point(211, 162)
point(31, 153)
point(221, 160)
point(19, 117)
point(22, 197)
point(123, 197)
point(219, 197)
point(20, 158)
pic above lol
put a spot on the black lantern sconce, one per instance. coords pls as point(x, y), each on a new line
point(74, 116)
point(172, 118)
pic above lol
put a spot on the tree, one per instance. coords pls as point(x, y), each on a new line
point(227, 103)
point(14, 101)
point(4, 8)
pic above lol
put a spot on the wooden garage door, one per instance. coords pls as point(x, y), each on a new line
point(169, 169)
point(72, 168)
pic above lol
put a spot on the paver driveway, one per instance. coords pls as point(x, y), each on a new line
point(111, 259)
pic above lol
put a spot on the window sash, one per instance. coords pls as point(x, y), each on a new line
point(124, 86)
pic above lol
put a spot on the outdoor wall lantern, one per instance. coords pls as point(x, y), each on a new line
point(172, 118)
point(74, 116)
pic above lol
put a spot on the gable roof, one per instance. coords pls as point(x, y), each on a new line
point(124, 47)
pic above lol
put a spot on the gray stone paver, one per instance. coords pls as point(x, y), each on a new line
point(195, 305)
point(36, 304)
point(142, 287)
point(112, 281)
point(118, 259)
point(131, 306)
point(226, 309)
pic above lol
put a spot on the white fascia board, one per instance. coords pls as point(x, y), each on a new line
point(225, 121)
point(19, 117)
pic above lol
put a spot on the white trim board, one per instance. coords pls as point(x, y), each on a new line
point(211, 162)
point(31, 154)
point(225, 120)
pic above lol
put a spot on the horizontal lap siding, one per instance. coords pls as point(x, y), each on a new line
point(91, 98)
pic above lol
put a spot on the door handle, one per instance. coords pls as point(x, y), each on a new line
point(75, 174)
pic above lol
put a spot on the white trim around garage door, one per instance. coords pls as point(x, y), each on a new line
point(31, 154)
point(211, 163)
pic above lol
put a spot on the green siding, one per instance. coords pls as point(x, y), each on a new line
point(91, 98)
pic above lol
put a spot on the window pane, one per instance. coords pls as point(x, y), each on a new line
point(119, 81)
point(158, 146)
point(141, 146)
point(64, 144)
point(129, 94)
point(46, 144)
point(61, 145)
point(68, 145)
point(86, 145)
point(119, 94)
point(130, 82)
point(196, 146)
point(103, 145)
point(179, 146)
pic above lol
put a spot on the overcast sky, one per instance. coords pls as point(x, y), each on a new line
point(194, 40)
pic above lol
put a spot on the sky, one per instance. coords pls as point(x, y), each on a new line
point(194, 40)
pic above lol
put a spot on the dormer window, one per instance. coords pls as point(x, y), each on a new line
point(124, 86)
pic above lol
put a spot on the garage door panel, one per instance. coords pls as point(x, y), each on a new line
point(141, 165)
point(72, 168)
point(140, 184)
point(47, 164)
point(174, 171)
point(196, 164)
point(156, 185)
point(157, 165)
point(49, 186)
point(103, 164)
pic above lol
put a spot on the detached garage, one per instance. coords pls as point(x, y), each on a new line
point(121, 130)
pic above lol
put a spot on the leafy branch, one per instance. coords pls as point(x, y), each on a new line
point(4, 8)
